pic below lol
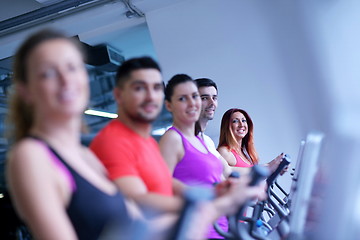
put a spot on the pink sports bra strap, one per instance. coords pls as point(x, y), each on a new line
point(239, 161)
point(60, 166)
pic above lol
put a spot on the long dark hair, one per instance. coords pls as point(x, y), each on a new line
point(173, 82)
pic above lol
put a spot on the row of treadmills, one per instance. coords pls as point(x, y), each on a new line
point(283, 215)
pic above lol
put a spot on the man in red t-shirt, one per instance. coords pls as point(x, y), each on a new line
point(125, 146)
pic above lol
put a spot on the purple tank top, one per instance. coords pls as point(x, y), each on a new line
point(198, 168)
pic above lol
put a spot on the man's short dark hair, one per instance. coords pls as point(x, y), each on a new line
point(134, 64)
point(205, 82)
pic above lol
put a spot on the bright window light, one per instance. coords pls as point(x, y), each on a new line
point(101, 113)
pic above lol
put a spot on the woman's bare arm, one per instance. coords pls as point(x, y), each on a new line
point(39, 192)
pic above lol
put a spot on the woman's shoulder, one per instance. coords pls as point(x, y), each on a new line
point(171, 136)
point(28, 154)
point(171, 143)
point(225, 152)
point(224, 149)
point(27, 147)
point(28, 158)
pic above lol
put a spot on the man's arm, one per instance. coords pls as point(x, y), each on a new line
point(134, 188)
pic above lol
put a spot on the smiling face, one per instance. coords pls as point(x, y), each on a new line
point(141, 96)
point(185, 104)
point(209, 102)
point(57, 79)
point(238, 125)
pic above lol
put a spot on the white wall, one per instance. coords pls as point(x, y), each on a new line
point(230, 42)
point(294, 66)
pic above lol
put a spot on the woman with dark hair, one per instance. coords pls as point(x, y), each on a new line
point(187, 156)
point(236, 143)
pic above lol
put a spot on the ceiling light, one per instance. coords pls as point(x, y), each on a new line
point(100, 113)
point(48, 2)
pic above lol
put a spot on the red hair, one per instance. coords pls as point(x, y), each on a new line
point(228, 139)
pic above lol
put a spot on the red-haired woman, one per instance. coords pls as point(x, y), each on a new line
point(236, 143)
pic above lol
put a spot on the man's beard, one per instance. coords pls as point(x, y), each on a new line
point(210, 117)
point(142, 118)
point(207, 116)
